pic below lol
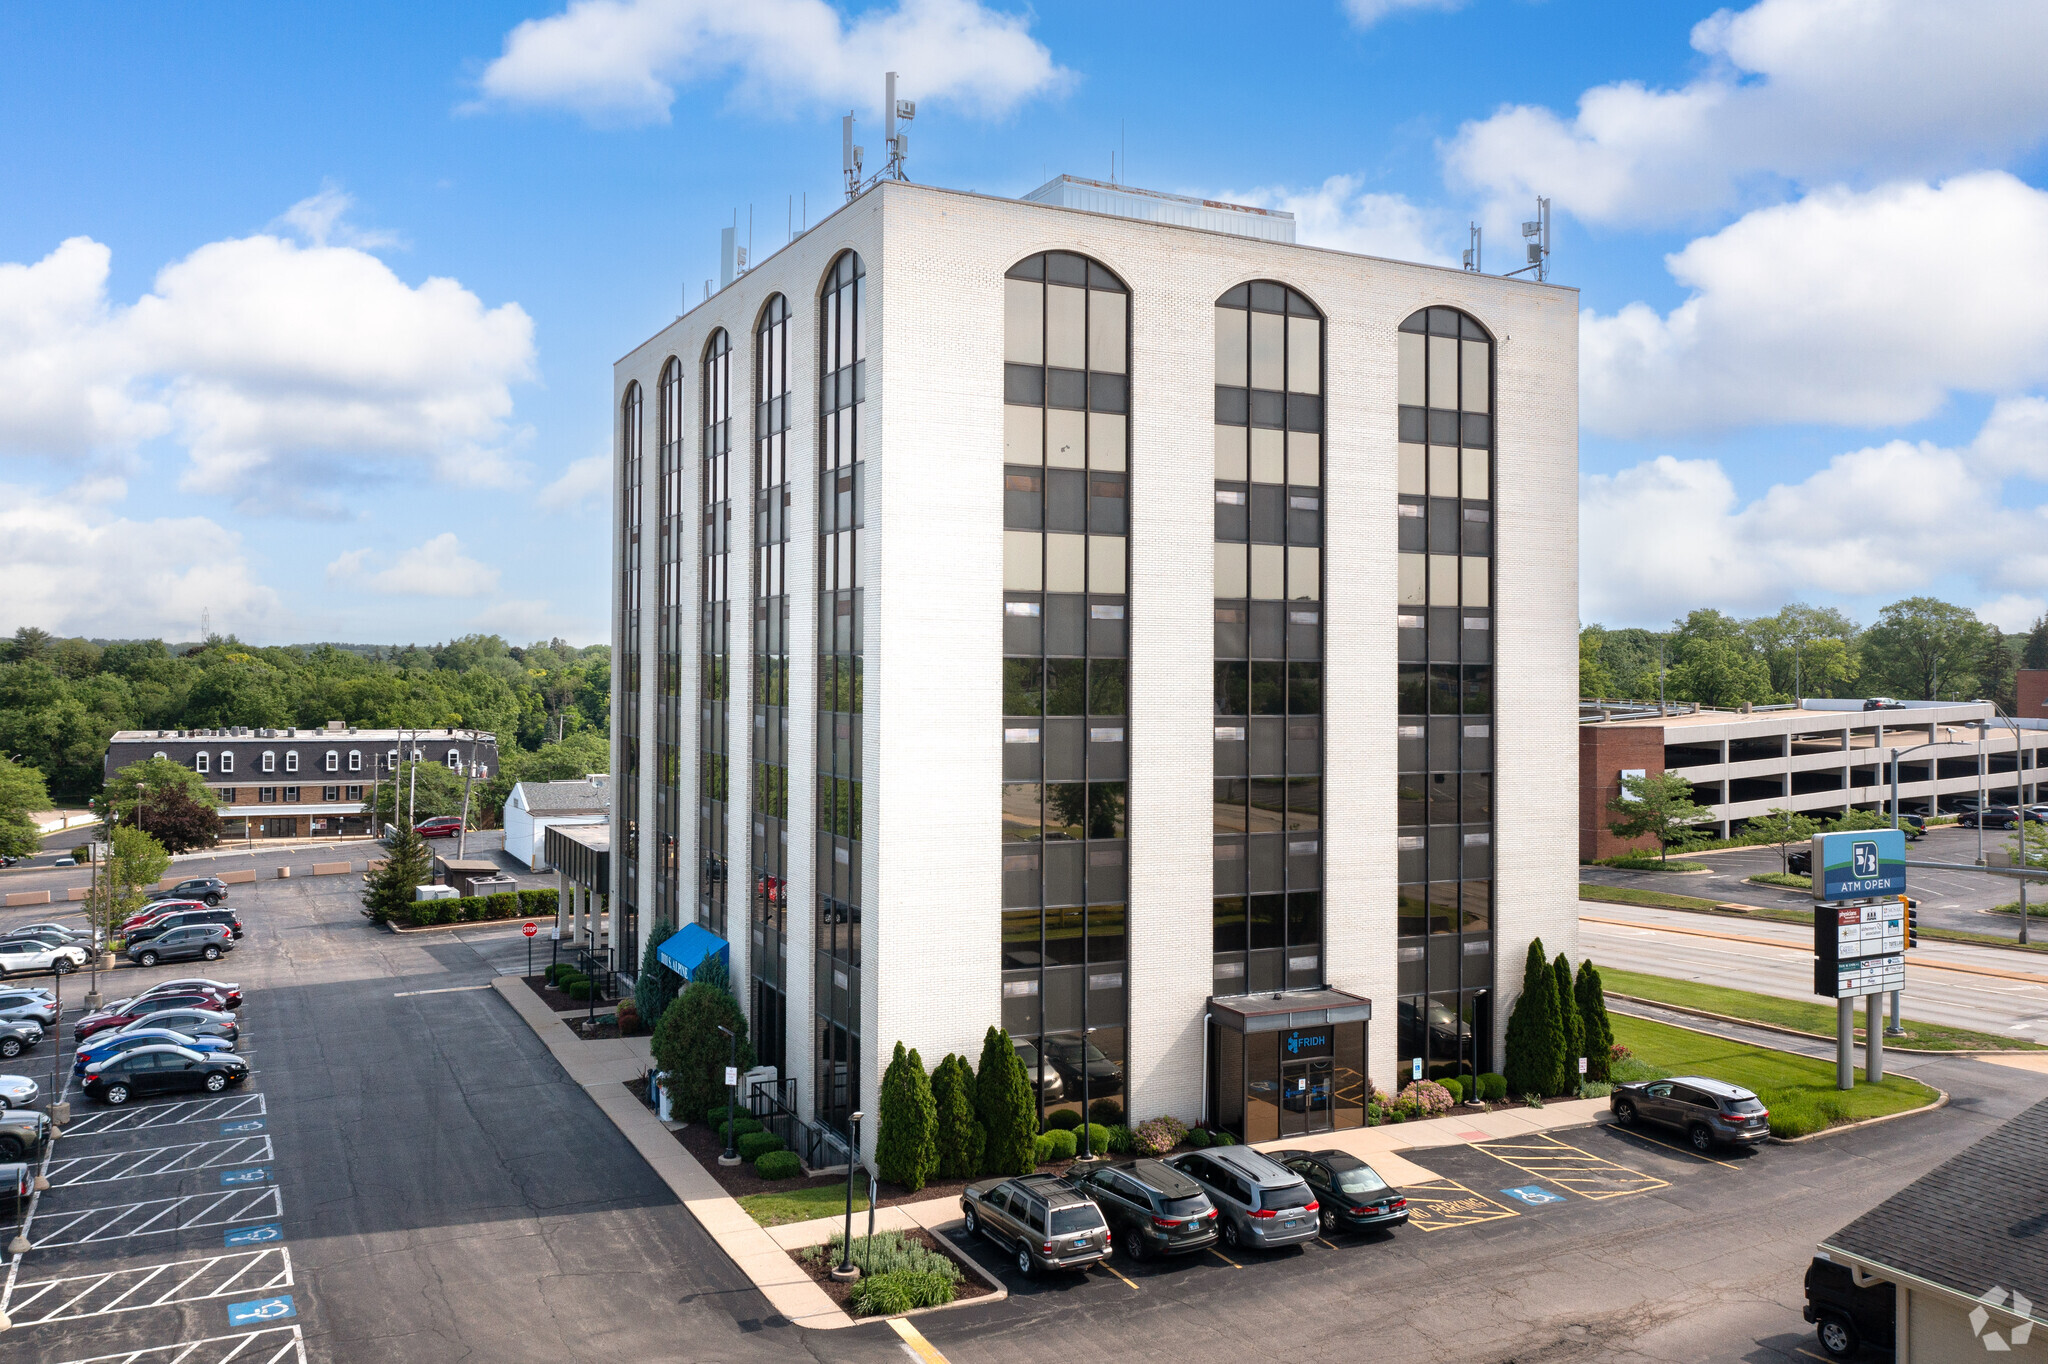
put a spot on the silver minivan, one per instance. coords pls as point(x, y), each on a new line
point(1260, 1202)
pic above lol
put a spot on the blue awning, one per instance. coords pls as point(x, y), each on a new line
point(690, 948)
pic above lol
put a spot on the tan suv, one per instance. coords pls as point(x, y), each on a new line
point(1043, 1220)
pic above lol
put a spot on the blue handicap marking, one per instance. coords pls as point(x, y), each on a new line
point(254, 1176)
point(254, 1236)
point(262, 1309)
point(1534, 1195)
point(253, 1125)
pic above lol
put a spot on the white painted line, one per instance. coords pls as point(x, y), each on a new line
point(106, 1121)
point(449, 990)
point(129, 1290)
point(271, 1345)
point(153, 1216)
point(159, 1160)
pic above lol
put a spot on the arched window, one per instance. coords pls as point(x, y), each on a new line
point(199, 762)
point(269, 761)
point(1268, 910)
point(670, 712)
point(1445, 619)
point(842, 394)
point(355, 760)
point(291, 760)
point(1066, 475)
point(770, 482)
point(454, 760)
point(629, 664)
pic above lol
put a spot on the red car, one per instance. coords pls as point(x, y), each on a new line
point(157, 909)
point(134, 1010)
point(229, 994)
point(440, 826)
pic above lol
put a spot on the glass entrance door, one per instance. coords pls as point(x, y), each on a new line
point(1304, 1097)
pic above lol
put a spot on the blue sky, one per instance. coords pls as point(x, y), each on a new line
point(307, 317)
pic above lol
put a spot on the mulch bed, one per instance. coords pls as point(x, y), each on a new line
point(559, 1000)
point(971, 1284)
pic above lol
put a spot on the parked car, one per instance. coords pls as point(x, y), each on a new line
point(17, 1036)
point(18, 1091)
point(185, 918)
point(1069, 1057)
point(162, 1069)
point(48, 938)
point(31, 1006)
point(157, 911)
point(1151, 1208)
point(1707, 1111)
point(78, 935)
point(192, 1022)
point(1350, 1195)
point(16, 1181)
point(112, 1044)
point(136, 1010)
point(1883, 703)
point(1045, 1221)
point(26, 956)
point(1914, 827)
point(1046, 1085)
point(1845, 1317)
point(440, 826)
point(1259, 1202)
point(192, 941)
point(1799, 863)
point(23, 1133)
point(211, 889)
point(1995, 817)
point(229, 993)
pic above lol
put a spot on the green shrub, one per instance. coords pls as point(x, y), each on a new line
point(886, 1252)
point(1594, 1089)
point(1536, 1033)
point(742, 1126)
point(1157, 1136)
point(1098, 1138)
point(899, 1290)
point(579, 988)
point(692, 1052)
point(501, 904)
point(1574, 1029)
point(1041, 1148)
point(1222, 1139)
point(554, 974)
point(1198, 1138)
point(1004, 1102)
point(1108, 1112)
point(906, 1147)
point(1590, 997)
point(1373, 1115)
point(1455, 1086)
point(1493, 1086)
point(656, 987)
point(535, 904)
point(1064, 1143)
point(753, 1145)
point(1062, 1120)
point(478, 909)
point(1628, 1070)
point(1120, 1139)
point(959, 1136)
point(778, 1165)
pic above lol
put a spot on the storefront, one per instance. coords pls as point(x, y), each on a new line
point(1287, 1065)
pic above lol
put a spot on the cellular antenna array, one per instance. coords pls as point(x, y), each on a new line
point(896, 145)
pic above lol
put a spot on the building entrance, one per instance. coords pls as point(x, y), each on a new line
point(1287, 1065)
point(1304, 1097)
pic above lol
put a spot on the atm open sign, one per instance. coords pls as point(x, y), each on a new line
point(1858, 866)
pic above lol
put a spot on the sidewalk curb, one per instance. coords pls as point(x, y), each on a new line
point(470, 923)
point(1822, 1036)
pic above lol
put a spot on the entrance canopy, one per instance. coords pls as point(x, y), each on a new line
point(1287, 1065)
point(690, 947)
point(1294, 1009)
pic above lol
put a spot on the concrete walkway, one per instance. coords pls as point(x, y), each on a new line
point(602, 1067)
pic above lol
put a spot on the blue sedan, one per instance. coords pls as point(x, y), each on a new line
point(113, 1044)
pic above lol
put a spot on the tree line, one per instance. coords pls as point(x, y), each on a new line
point(1919, 648)
point(61, 700)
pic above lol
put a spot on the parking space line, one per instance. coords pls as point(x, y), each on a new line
point(1568, 1167)
point(1441, 1204)
point(130, 1290)
point(153, 1216)
point(1683, 1151)
point(445, 990)
point(1113, 1269)
point(269, 1345)
point(157, 1160)
point(1225, 1258)
point(106, 1121)
point(914, 1340)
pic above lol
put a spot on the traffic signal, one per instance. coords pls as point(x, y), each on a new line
point(1912, 923)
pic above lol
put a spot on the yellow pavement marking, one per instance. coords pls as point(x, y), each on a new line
point(1112, 1269)
point(919, 1346)
point(1327, 1241)
point(1225, 1258)
point(1798, 1350)
point(1568, 1167)
point(1432, 1213)
point(1683, 1151)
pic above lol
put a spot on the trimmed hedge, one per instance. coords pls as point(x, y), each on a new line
point(504, 904)
point(1061, 1120)
point(778, 1165)
point(742, 1126)
point(1493, 1086)
point(753, 1145)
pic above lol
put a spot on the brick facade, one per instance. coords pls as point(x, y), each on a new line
point(2031, 689)
point(1605, 752)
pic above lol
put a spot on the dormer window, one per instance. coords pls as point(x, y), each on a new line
point(333, 761)
point(355, 760)
point(269, 761)
point(199, 762)
point(291, 761)
point(227, 761)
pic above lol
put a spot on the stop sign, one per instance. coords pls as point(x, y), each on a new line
point(528, 930)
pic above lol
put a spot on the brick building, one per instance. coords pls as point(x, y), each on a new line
point(1096, 615)
point(300, 782)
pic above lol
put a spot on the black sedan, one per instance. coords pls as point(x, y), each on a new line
point(146, 1071)
point(1351, 1195)
point(1996, 817)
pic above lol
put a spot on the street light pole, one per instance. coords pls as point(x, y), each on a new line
point(844, 1271)
point(731, 1155)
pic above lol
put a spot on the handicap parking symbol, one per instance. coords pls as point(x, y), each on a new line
point(231, 1128)
point(1534, 1195)
point(254, 1236)
point(255, 1176)
point(262, 1309)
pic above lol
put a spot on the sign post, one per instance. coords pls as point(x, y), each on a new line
point(1859, 937)
point(529, 929)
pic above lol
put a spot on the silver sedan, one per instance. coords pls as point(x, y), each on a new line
point(18, 1091)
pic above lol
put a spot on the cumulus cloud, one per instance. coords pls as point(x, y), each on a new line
point(1337, 213)
point(321, 218)
point(587, 480)
point(264, 357)
point(620, 61)
point(437, 568)
point(72, 569)
point(1885, 520)
point(1794, 91)
point(1366, 13)
point(1860, 309)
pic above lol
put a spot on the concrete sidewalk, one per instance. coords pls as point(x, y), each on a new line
point(602, 1067)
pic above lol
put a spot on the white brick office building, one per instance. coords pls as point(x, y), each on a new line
point(1158, 644)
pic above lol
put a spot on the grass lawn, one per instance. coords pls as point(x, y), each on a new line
point(1652, 863)
point(1790, 880)
point(803, 1204)
point(1799, 1091)
point(1805, 1015)
point(1627, 895)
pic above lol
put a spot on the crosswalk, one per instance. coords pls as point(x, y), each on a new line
point(109, 1166)
point(37, 1301)
point(154, 1216)
point(106, 1121)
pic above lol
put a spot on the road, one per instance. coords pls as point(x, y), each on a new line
point(1669, 942)
point(1948, 899)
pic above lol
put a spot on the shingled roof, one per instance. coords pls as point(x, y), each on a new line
point(564, 797)
point(1977, 1222)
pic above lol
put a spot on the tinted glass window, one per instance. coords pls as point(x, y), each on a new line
point(1360, 1181)
point(1186, 1207)
point(1745, 1106)
point(1295, 1195)
point(1080, 1217)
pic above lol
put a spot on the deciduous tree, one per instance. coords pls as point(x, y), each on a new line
point(1781, 828)
point(22, 795)
point(1657, 805)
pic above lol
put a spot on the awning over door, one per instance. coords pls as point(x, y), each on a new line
point(690, 947)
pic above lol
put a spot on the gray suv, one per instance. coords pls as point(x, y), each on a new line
point(1042, 1219)
point(1707, 1111)
point(1260, 1202)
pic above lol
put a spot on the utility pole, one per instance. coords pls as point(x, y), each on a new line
point(468, 773)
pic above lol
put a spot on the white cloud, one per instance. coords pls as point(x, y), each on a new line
point(319, 219)
point(348, 564)
point(1338, 214)
point(266, 359)
point(72, 570)
point(437, 568)
point(1881, 521)
point(619, 61)
point(1366, 13)
point(525, 618)
point(587, 480)
point(1806, 91)
point(1863, 309)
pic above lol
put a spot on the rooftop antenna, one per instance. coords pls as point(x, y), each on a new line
point(1472, 251)
point(1537, 233)
point(850, 157)
point(727, 249)
point(899, 143)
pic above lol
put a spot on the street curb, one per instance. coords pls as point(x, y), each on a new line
point(472, 923)
point(1825, 1037)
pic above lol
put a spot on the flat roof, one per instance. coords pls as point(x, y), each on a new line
point(143, 736)
point(1825, 717)
point(1289, 1009)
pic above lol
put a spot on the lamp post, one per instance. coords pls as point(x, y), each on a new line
point(845, 1271)
point(731, 1155)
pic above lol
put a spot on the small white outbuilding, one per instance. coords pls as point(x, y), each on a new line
point(534, 805)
